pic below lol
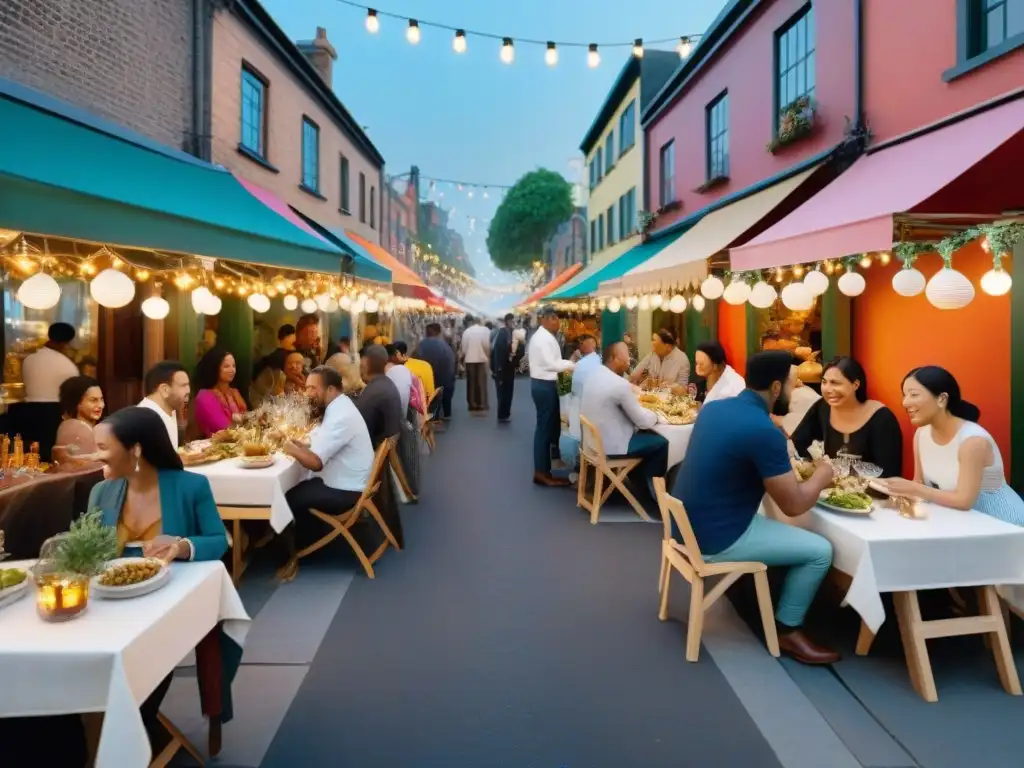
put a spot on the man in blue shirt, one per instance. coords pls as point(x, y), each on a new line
point(589, 361)
point(736, 455)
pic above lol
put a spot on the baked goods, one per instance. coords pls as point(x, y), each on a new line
point(127, 574)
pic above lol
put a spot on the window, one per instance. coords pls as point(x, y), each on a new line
point(610, 221)
point(345, 202)
point(254, 112)
point(718, 137)
point(627, 213)
point(668, 174)
point(310, 155)
point(600, 165)
point(609, 151)
point(992, 22)
point(627, 128)
point(373, 205)
point(362, 197)
point(593, 236)
point(600, 232)
point(794, 61)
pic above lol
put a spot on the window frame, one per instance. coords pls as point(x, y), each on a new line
point(599, 158)
point(373, 207)
point(780, 34)
point(666, 196)
point(307, 121)
point(711, 170)
point(362, 197)
point(249, 71)
point(609, 152)
point(345, 184)
point(610, 225)
point(968, 56)
point(628, 117)
point(600, 231)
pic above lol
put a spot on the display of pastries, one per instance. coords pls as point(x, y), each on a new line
point(127, 574)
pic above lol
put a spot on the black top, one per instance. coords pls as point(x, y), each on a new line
point(879, 441)
point(435, 350)
point(381, 408)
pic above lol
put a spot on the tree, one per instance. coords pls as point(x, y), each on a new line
point(527, 217)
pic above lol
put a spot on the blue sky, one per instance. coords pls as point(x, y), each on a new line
point(471, 117)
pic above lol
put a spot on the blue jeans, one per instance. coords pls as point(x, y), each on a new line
point(549, 423)
point(653, 449)
point(773, 543)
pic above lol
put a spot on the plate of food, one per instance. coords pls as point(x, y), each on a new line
point(131, 577)
point(13, 584)
point(847, 502)
point(256, 462)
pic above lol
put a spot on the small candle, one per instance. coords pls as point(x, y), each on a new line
point(60, 598)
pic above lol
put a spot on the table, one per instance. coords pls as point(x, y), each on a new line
point(111, 658)
point(678, 437)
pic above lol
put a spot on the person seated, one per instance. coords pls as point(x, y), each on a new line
point(665, 366)
point(587, 362)
point(957, 463)
point(846, 421)
point(421, 369)
point(88, 366)
point(81, 405)
point(611, 406)
point(380, 402)
point(720, 378)
point(404, 380)
point(218, 404)
point(168, 389)
point(736, 455)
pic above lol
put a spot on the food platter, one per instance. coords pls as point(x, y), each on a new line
point(13, 591)
point(846, 502)
point(128, 569)
point(256, 462)
point(677, 410)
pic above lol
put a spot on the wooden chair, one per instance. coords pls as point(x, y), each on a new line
point(615, 470)
point(341, 525)
point(427, 428)
point(686, 559)
point(396, 464)
point(178, 741)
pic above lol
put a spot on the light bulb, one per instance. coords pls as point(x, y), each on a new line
point(638, 48)
point(358, 306)
point(508, 52)
point(372, 22)
point(551, 55)
point(593, 57)
point(712, 288)
point(631, 302)
point(372, 305)
point(684, 47)
point(657, 300)
point(645, 302)
point(698, 303)
point(996, 282)
point(308, 306)
point(614, 306)
point(258, 302)
point(865, 261)
point(345, 302)
point(291, 303)
point(323, 301)
point(677, 304)
point(156, 308)
point(459, 43)
point(412, 34)
point(200, 297)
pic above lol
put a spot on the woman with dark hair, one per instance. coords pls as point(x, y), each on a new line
point(720, 378)
point(81, 406)
point(218, 404)
point(957, 464)
point(846, 421)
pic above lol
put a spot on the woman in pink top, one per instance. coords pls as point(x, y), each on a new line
point(218, 404)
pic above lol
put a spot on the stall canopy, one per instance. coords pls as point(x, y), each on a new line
point(80, 178)
point(959, 169)
point(401, 275)
point(686, 259)
point(559, 280)
point(587, 282)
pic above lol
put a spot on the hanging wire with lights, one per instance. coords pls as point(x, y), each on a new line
point(507, 51)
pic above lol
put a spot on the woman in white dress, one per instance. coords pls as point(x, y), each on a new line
point(720, 378)
point(957, 464)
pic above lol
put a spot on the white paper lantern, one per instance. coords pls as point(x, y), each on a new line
point(258, 302)
point(39, 292)
point(631, 302)
point(763, 295)
point(657, 300)
point(996, 282)
point(345, 302)
point(698, 303)
point(851, 284)
point(332, 305)
point(797, 297)
point(908, 282)
point(645, 302)
point(291, 303)
point(156, 308)
point(712, 288)
point(200, 299)
point(949, 289)
point(358, 306)
point(322, 301)
point(816, 282)
point(308, 306)
point(363, 297)
point(372, 305)
point(678, 303)
point(737, 292)
point(614, 305)
point(214, 305)
point(112, 289)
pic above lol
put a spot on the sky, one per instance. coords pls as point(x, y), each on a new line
point(470, 117)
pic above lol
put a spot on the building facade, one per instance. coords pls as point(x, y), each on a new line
point(402, 216)
point(277, 122)
point(568, 245)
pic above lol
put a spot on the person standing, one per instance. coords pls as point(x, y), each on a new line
point(545, 364)
point(39, 417)
point(476, 350)
point(167, 388)
point(438, 353)
point(504, 363)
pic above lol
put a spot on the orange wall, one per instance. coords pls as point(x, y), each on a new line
point(893, 334)
point(732, 333)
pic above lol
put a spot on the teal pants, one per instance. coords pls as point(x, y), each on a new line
point(807, 555)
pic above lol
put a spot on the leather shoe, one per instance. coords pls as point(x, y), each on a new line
point(541, 478)
point(801, 648)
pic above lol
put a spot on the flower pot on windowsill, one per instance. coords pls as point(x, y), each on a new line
point(675, 205)
point(712, 183)
point(796, 122)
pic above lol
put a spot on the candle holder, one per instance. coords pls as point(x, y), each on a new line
point(60, 596)
point(66, 564)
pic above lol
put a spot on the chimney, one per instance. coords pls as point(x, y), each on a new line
point(321, 55)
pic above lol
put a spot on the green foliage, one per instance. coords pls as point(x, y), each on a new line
point(87, 547)
point(529, 215)
point(564, 383)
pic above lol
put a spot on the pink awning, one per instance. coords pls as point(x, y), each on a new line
point(927, 174)
point(280, 207)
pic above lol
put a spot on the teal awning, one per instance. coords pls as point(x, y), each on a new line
point(587, 281)
point(69, 179)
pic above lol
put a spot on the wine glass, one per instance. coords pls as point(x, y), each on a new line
point(867, 470)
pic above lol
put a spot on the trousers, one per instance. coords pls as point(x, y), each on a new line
point(549, 423)
point(476, 386)
point(653, 449)
point(505, 384)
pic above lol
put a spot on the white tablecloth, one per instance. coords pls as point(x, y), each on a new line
point(111, 658)
point(678, 439)
point(235, 486)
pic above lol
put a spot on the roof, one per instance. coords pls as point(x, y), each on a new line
point(263, 23)
point(653, 69)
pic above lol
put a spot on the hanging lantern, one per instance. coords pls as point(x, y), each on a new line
point(372, 305)
point(308, 306)
point(698, 303)
point(345, 302)
point(214, 305)
point(631, 302)
point(112, 289)
point(39, 292)
point(851, 283)
point(645, 302)
point(763, 295)
point(332, 305)
point(677, 303)
point(156, 308)
point(200, 299)
point(949, 289)
point(816, 282)
point(797, 297)
point(712, 288)
point(614, 305)
point(291, 303)
point(908, 281)
point(323, 301)
point(997, 281)
point(657, 300)
point(358, 306)
point(258, 302)
point(737, 292)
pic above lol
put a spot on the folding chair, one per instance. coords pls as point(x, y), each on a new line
point(341, 525)
point(178, 741)
point(396, 464)
point(615, 470)
point(427, 428)
point(687, 559)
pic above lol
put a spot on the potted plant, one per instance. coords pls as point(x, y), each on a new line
point(67, 562)
point(796, 121)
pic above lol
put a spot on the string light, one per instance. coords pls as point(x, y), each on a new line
point(412, 34)
point(638, 48)
point(593, 57)
point(372, 22)
point(459, 42)
point(508, 52)
point(551, 55)
point(684, 48)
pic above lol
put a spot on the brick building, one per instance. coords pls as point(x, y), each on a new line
point(568, 245)
point(402, 216)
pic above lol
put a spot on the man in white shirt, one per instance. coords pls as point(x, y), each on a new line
point(476, 351)
point(47, 368)
point(589, 361)
point(401, 376)
point(546, 363)
point(168, 389)
point(339, 457)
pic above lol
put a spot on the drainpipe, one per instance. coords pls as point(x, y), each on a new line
point(198, 147)
point(858, 31)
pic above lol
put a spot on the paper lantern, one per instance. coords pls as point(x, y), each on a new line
point(816, 282)
point(678, 303)
point(712, 288)
point(372, 305)
point(322, 301)
point(698, 303)
point(737, 292)
point(949, 289)
point(996, 282)
point(345, 302)
point(631, 302)
point(332, 305)
point(797, 297)
point(112, 289)
point(39, 292)
point(308, 306)
point(657, 300)
point(156, 308)
point(851, 284)
point(614, 305)
point(763, 295)
point(258, 302)
point(908, 282)
point(214, 305)
point(645, 302)
point(291, 303)
point(200, 299)
point(358, 306)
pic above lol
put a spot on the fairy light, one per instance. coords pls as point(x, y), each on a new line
point(593, 57)
point(638, 48)
point(372, 22)
point(884, 258)
point(412, 34)
point(142, 275)
point(459, 42)
point(865, 261)
point(551, 55)
point(508, 52)
point(684, 48)
point(798, 271)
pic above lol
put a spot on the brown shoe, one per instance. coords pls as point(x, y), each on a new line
point(801, 648)
point(543, 478)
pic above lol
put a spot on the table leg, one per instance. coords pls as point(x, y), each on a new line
point(908, 614)
point(236, 551)
point(864, 640)
point(1000, 642)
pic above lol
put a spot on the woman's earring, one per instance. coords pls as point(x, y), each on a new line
point(136, 462)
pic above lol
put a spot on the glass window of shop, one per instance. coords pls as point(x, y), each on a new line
point(794, 61)
point(254, 112)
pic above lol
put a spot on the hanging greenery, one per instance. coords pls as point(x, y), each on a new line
point(1002, 237)
point(907, 252)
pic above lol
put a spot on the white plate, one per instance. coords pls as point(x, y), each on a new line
point(257, 462)
point(844, 511)
point(11, 594)
point(132, 590)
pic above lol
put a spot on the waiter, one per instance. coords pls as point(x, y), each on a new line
point(545, 364)
point(43, 372)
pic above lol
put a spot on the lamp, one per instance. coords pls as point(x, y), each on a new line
point(112, 289)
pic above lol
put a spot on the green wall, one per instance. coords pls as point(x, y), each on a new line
point(235, 334)
point(613, 326)
point(836, 333)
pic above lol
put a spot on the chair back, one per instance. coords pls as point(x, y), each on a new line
point(672, 509)
point(433, 396)
point(379, 458)
point(590, 444)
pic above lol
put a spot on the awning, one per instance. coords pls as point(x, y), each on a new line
point(559, 280)
point(366, 268)
point(686, 259)
point(69, 178)
point(401, 275)
point(587, 281)
point(961, 168)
